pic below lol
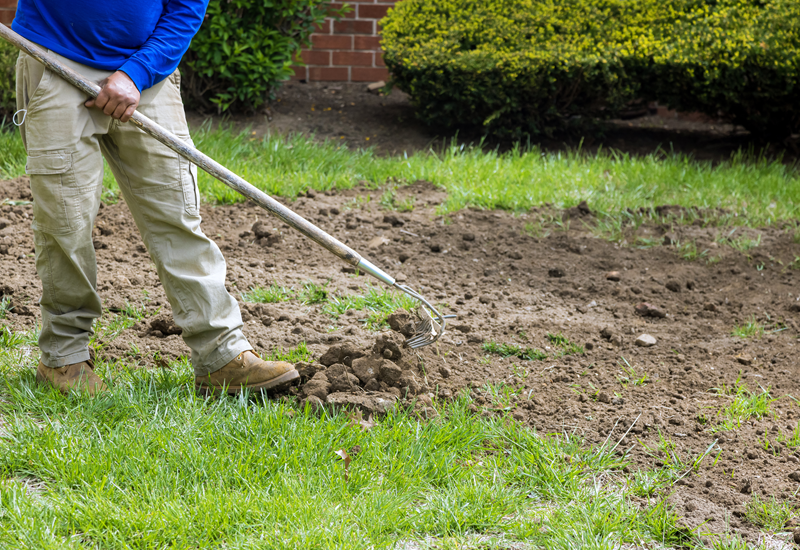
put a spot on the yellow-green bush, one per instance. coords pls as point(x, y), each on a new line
point(530, 66)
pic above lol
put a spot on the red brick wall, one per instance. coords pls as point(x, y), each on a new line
point(7, 10)
point(348, 50)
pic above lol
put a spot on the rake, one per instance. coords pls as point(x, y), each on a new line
point(431, 323)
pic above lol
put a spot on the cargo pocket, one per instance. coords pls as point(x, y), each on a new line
point(56, 201)
point(191, 194)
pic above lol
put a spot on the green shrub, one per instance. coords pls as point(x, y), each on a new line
point(245, 48)
point(8, 86)
point(529, 66)
point(739, 59)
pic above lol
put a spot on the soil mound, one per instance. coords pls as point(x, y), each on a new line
point(371, 380)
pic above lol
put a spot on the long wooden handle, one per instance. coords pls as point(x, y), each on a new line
point(204, 161)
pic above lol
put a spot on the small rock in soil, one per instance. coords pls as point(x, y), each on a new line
point(613, 276)
point(556, 272)
point(372, 385)
point(645, 341)
point(468, 236)
point(485, 299)
point(745, 360)
point(752, 455)
point(607, 332)
point(648, 310)
point(617, 401)
point(445, 371)
point(603, 397)
point(795, 476)
point(435, 247)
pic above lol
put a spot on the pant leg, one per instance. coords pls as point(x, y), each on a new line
point(160, 188)
point(66, 172)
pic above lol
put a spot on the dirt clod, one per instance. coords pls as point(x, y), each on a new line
point(165, 325)
point(648, 310)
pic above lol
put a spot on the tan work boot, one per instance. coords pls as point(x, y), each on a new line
point(247, 370)
point(78, 376)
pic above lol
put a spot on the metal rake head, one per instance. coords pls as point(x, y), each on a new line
point(431, 323)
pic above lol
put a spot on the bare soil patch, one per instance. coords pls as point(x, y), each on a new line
point(507, 287)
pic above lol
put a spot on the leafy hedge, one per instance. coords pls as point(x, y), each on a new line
point(530, 66)
point(8, 86)
point(245, 48)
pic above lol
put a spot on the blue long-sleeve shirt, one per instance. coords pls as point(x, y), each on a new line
point(144, 38)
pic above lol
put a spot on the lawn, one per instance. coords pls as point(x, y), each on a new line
point(752, 189)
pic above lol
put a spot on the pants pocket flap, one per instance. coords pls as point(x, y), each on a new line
point(48, 162)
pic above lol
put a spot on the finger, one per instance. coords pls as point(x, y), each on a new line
point(90, 103)
point(111, 106)
point(126, 116)
point(119, 111)
point(101, 100)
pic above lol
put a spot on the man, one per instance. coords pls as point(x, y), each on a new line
point(132, 49)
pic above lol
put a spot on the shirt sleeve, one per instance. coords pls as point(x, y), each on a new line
point(160, 54)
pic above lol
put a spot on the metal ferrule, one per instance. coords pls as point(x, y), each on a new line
point(375, 271)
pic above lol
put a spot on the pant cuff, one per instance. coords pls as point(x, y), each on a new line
point(58, 362)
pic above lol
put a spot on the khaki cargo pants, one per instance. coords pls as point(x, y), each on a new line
point(66, 144)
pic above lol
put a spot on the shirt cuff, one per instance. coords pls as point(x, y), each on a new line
point(138, 73)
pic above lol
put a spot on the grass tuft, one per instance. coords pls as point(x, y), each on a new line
point(5, 306)
point(750, 329)
point(744, 405)
point(378, 302)
point(513, 350)
point(293, 355)
point(768, 513)
point(564, 344)
point(269, 295)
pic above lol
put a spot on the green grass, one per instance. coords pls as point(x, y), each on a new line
point(750, 329)
point(293, 355)
point(516, 180)
point(768, 513)
point(744, 405)
point(688, 251)
point(630, 376)
point(5, 306)
point(564, 345)
point(313, 293)
point(153, 465)
point(513, 350)
point(269, 295)
point(379, 303)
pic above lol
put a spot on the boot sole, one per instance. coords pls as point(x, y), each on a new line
point(285, 379)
